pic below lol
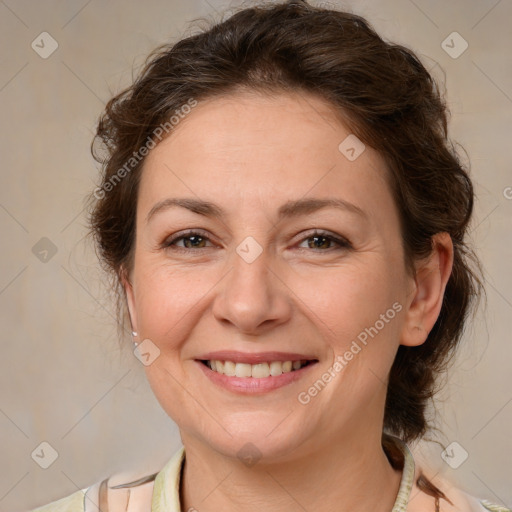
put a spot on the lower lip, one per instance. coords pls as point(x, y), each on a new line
point(248, 385)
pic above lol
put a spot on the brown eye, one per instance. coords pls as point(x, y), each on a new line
point(191, 240)
point(324, 242)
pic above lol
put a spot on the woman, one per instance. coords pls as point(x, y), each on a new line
point(286, 222)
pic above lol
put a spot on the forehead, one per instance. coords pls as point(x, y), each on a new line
point(251, 149)
point(290, 124)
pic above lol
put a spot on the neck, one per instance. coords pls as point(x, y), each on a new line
point(351, 473)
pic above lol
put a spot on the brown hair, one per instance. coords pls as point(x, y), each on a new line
point(386, 97)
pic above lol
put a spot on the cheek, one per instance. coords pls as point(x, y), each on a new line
point(167, 299)
point(350, 298)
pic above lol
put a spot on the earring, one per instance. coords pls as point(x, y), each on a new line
point(135, 344)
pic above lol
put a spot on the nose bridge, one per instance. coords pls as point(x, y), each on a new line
point(251, 260)
point(251, 294)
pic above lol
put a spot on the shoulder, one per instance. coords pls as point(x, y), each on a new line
point(125, 492)
point(424, 489)
point(119, 493)
point(464, 501)
point(457, 500)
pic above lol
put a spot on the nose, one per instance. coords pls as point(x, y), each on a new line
point(254, 297)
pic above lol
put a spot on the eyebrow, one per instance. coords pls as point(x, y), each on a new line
point(292, 208)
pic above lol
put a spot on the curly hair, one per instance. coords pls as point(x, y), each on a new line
point(384, 95)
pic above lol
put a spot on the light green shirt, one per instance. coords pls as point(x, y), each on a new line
point(164, 493)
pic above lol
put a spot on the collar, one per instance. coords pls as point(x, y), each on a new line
point(166, 489)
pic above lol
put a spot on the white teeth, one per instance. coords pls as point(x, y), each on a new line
point(243, 370)
point(276, 368)
point(260, 371)
point(229, 368)
point(257, 371)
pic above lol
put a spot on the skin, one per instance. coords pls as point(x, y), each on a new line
point(250, 153)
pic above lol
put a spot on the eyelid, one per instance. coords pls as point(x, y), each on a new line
point(185, 234)
point(340, 241)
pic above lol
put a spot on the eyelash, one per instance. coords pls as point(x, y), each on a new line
point(343, 244)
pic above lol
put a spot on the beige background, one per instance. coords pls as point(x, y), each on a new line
point(63, 380)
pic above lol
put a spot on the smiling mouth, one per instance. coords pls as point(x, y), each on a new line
point(256, 371)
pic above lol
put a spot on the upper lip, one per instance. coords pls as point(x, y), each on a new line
point(254, 358)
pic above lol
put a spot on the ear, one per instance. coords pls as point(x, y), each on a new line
point(130, 297)
point(426, 298)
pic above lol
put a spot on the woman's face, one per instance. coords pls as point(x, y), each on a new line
point(254, 286)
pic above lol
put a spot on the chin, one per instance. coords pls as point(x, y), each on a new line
point(263, 437)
